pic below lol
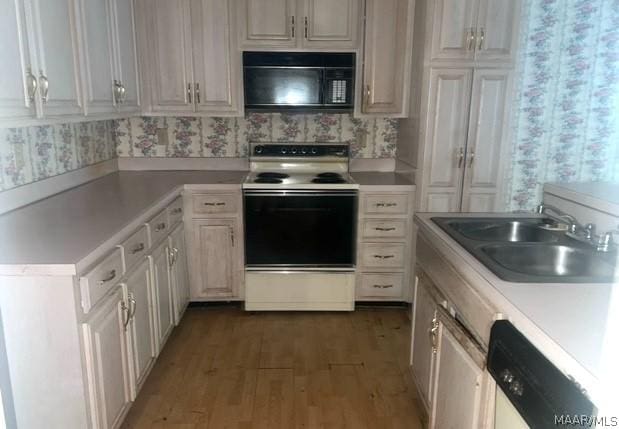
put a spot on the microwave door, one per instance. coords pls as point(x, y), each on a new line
point(283, 86)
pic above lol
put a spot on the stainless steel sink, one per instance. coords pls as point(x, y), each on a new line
point(550, 260)
point(527, 250)
point(512, 231)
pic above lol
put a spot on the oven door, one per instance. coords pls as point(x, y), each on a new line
point(300, 229)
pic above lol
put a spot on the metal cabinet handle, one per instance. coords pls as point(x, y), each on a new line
point(133, 306)
point(111, 276)
point(172, 255)
point(306, 27)
point(116, 91)
point(292, 26)
point(460, 155)
point(126, 312)
point(177, 210)
point(138, 248)
point(123, 93)
point(471, 158)
point(482, 36)
point(382, 286)
point(366, 97)
point(44, 87)
point(189, 98)
point(231, 235)
point(197, 93)
point(215, 204)
point(378, 228)
point(160, 227)
point(470, 39)
point(386, 204)
point(31, 85)
point(433, 331)
point(384, 256)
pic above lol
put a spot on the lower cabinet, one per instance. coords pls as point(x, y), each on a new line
point(216, 258)
point(107, 362)
point(138, 290)
point(162, 292)
point(179, 274)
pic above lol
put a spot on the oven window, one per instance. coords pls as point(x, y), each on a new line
point(300, 230)
point(266, 86)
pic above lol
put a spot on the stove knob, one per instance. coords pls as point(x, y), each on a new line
point(258, 149)
point(293, 150)
point(303, 150)
point(516, 388)
point(314, 151)
point(284, 150)
point(507, 376)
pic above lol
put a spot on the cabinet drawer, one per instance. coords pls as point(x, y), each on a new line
point(135, 247)
point(159, 227)
point(381, 285)
point(382, 255)
point(396, 204)
point(175, 211)
point(384, 228)
point(215, 203)
point(100, 279)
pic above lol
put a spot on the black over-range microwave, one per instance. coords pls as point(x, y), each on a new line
point(302, 81)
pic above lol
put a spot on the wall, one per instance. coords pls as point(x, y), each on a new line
point(566, 115)
point(30, 154)
point(229, 137)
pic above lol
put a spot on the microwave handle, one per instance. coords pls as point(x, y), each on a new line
point(323, 87)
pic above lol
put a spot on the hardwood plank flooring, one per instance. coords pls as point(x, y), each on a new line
point(226, 368)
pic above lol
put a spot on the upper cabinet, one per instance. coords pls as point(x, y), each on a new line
point(387, 57)
point(109, 56)
point(480, 30)
point(190, 59)
point(299, 24)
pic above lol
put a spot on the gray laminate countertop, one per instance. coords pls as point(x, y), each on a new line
point(366, 178)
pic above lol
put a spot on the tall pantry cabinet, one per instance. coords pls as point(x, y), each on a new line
point(457, 135)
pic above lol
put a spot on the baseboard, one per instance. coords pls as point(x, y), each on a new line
point(239, 164)
point(27, 194)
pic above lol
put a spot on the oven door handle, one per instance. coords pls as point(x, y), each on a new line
point(293, 193)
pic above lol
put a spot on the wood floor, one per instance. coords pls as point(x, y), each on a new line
point(225, 368)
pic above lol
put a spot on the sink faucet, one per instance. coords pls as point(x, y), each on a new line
point(577, 231)
point(560, 216)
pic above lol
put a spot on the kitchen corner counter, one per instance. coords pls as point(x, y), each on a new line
point(54, 235)
point(566, 322)
point(367, 178)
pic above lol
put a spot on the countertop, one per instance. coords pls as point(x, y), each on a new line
point(566, 322)
point(367, 178)
point(64, 228)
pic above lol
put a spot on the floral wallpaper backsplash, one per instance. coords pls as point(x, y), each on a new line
point(566, 112)
point(230, 137)
point(30, 154)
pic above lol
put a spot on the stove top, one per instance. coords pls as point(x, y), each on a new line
point(304, 180)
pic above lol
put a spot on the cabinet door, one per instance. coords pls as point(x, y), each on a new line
point(268, 22)
point(15, 64)
point(180, 274)
point(388, 40)
point(458, 384)
point(331, 24)
point(446, 137)
point(107, 362)
point(215, 259)
point(141, 328)
point(423, 353)
point(169, 56)
point(125, 54)
point(215, 57)
point(454, 29)
point(487, 139)
point(54, 56)
point(497, 26)
point(98, 56)
point(164, 313)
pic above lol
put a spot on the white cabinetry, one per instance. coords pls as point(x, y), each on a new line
point(164, 316)
point(127, 97)
point(482, 30)
point(106, 361)
point(192, 62)
point(387, 57)
point(138, 290)
point(305, 24)
point(179, 274)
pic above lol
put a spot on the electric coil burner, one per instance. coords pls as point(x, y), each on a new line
point(300, 208)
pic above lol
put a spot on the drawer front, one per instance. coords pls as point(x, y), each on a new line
point(135, 247)
point(395, 204)
point(175, 211)
point(159, 227)
point(382, 255)
point(384, 228)
point(381, 285)
point(215, 203)
point(101, 279)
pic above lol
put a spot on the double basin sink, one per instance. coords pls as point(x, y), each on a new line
point(531, 250)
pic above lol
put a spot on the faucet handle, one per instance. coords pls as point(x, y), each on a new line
point(605, 241)
point(589, 231)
